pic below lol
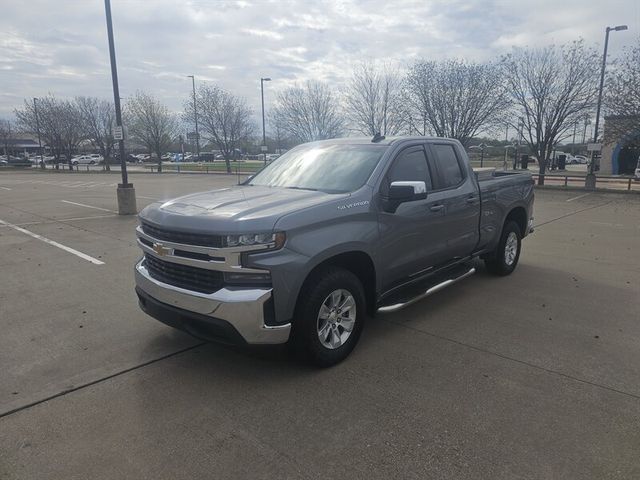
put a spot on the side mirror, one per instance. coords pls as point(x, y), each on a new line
point(404, 191)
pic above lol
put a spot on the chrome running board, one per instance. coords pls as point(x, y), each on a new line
point(436, 288)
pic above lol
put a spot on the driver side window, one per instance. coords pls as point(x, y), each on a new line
point(411, 165)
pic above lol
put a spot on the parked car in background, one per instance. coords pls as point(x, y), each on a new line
point(207, 156)
point(84, 160)
point(13, 161)
point(581, 159)
point(637, 173)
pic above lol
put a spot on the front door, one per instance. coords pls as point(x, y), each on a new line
point(411, 237)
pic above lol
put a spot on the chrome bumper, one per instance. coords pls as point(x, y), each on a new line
point(243, 308)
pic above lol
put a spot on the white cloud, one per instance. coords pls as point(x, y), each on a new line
point(61, 47)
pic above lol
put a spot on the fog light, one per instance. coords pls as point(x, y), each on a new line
point(234, 278)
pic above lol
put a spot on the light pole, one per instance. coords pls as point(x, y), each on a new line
point(573, 143)
point(519, 135)
point(590, 181)
point(126, 193)
point(35, 112)
point(195, 114)
point(264, 135)
point(481, 147)
point(584, 133)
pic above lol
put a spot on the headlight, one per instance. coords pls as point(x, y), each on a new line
point(271, 240)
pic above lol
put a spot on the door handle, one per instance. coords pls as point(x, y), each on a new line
point(436, 208)
point(471, 200)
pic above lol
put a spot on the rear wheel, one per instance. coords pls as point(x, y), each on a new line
point(506, 256)
point(329, 317)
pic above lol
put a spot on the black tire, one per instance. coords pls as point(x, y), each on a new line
point(92, 162)
point(305, 340)
point(500, 262)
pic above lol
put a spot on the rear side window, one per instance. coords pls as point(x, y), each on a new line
point(448, 165)
point(411, 165)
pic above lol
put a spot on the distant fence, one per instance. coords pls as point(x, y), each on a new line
point(603, 182)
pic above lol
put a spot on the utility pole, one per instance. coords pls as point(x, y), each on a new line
point(590, 181)
point(195, 114)
point(584, 133)
point(264, 135)
point(126, 193)
point(573, 143)
point(35, 111)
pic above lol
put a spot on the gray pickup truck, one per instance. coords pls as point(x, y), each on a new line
point(326, 235)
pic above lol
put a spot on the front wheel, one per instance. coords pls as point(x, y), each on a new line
point(507, 254)
point(329, 317)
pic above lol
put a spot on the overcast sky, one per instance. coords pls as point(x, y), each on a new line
point(60, 46)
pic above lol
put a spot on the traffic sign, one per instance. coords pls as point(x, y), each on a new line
point(594, 147)
point(264, 148)
point(118, 133)
point(193, 136)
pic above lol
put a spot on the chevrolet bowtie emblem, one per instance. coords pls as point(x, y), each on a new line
point(161, 250)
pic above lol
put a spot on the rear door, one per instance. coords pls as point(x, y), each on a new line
point(457, 190)
point(412, 237)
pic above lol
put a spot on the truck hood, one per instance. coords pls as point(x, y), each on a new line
point(239, 209)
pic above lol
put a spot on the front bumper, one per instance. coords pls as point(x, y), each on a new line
point(214, 316)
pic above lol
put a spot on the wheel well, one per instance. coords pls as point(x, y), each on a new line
point(518, 215)
point(361, 265)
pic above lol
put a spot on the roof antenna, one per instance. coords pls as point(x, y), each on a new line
point(377, 138)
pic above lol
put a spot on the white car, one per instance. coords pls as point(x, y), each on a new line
point(85, 160)
point(581, 159)
point(637, 174)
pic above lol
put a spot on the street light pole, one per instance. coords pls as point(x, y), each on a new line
point(35, 112)
point(195, 114)
point(584, 133)
point(264, 135)
point(126, 193)
point(590, 181)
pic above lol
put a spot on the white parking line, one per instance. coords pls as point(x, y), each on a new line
point(148, 198)
point(84, 256)
point(5, 188)
point(579, 196)
point(60, 220)
point(87, 206)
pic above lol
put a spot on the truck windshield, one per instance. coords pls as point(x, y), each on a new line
point(335, 168)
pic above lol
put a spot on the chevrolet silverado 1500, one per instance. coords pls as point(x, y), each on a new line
point(326, 235)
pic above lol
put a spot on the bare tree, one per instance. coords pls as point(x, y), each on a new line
point(224, 119)
point(150, 123)
point(6, 134)
point(59, 122)
point(48, 118)
point(552, 89)
point(455, 98)
point(308, 113)
point(373, 100)
point(71, 128)
point(622, 96)
point(98, 117)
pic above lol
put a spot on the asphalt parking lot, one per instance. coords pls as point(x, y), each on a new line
point(536, 375)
